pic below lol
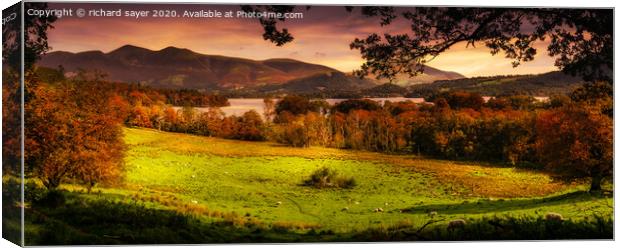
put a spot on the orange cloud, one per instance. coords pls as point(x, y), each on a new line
point(324, 30)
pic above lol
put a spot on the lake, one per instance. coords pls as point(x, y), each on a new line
point(238, 106)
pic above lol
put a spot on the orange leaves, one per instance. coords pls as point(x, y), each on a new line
point(575, 140)
point(73, 130)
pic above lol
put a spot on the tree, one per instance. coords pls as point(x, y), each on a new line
point(34, 46)
point(596, 93)
point(356, 104)
point(250, 127)
point(460, 99)
point(580, 39)
point(576, 141)
point(269, 109)
point(35, 42)
point(11, 122)
point(72, 131)
point(294, 104)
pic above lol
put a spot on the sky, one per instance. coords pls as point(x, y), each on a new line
point(322, 37)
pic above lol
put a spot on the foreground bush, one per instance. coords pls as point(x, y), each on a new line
point(329, 178)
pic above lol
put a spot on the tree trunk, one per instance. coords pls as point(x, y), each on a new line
point(595, 186)
point(51, 183)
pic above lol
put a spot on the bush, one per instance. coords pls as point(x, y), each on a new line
point(329, 178)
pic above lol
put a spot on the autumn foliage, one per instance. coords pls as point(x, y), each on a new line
point(74, 128)
point(576, 141)
point(72, 131)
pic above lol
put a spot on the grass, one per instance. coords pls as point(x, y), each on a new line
point(265, 180)
point(257, 191)
point(474, 179)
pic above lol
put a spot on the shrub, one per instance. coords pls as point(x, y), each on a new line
point(329, 178)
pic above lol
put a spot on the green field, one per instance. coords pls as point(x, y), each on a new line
point(260, 185)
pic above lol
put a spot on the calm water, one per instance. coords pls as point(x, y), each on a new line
point(238, 106)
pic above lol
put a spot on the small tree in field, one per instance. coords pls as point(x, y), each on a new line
point(576, 141)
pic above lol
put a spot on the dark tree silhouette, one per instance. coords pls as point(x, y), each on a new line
point(581, 39)
point(35, 42)
point(272, 33)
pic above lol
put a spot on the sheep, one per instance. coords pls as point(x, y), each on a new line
point(345, 209)
point(378, 210)
point(458, 223)
point(551, 216)
point(432, 213)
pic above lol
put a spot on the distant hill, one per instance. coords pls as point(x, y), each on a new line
point(322, 82)
point(174, 67)
point(536, 85)
point(430, 75)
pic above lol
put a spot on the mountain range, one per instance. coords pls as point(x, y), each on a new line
point(174, 67)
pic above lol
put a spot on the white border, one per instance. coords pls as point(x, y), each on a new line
point(487, 244)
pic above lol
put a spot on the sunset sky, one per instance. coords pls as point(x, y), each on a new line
point(322, 36)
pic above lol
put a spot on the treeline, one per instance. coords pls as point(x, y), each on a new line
point(145, 94)
point(571, 135)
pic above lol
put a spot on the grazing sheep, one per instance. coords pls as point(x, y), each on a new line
point(378, 210)
point(278, 203)
point(458, 223)
point(432, 213)
point(345, 209)
point(551, 216)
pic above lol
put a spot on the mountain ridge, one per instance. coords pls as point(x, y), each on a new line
point(174, 67)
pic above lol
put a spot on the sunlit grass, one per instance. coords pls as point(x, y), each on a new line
point(474, 179)
point(221, 178)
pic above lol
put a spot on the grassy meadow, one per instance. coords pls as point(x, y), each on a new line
point(182, 188)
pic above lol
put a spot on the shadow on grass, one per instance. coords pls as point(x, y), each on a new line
point(103, 222)
point(76, 220)
point(485, 206)
point(496, 228)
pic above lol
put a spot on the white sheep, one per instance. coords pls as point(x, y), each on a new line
point(551, 216)
point(458, 223)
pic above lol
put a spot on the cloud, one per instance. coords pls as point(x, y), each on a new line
point(326, 30)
